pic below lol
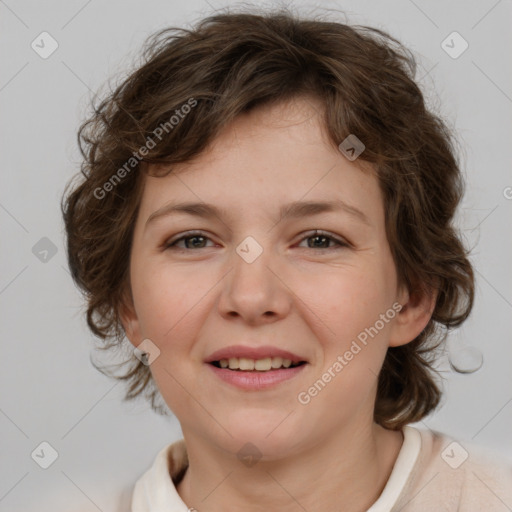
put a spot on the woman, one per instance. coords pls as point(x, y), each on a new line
point(267, 217)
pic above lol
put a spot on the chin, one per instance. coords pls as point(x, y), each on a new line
point(271, 432)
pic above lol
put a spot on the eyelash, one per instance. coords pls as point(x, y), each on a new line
point(192, 234)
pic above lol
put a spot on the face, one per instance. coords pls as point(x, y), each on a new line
point(249, 277)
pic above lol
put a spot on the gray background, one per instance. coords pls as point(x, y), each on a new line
point(49, 390)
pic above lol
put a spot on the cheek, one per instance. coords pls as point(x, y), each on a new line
point(166, 299)
point(344, 301)
point(352, 336)
point(154, 299)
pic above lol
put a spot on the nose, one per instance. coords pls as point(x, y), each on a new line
point(255, 289)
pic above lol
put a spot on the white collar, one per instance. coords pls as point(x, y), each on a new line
point(404, 463)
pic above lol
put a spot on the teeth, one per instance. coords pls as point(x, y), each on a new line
point(246, 364)
point(277, 362)
point(261, 365)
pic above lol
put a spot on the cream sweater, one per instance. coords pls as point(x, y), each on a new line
point(432, 473)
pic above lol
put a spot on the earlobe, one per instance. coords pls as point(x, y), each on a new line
point(416, 312)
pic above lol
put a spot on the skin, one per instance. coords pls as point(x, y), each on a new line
point(308, 300)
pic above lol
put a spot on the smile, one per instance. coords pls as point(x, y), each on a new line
point(259, 365)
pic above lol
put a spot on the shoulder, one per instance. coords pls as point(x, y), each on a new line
point(455, 475)
point(156, 488)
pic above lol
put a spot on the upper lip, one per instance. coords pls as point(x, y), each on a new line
point(260, 352)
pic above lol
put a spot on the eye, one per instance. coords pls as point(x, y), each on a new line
point(191, 235)
point(322, 237)
point(198, 239)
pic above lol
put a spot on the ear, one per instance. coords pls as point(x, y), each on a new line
point(129, 319)
point(417, 309)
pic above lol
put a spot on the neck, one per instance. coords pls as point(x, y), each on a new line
point(351, 469)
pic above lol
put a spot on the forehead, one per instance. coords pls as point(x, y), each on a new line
point(294, 124)
point(272, 155)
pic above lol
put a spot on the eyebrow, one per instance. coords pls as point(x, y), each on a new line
point(296, 209)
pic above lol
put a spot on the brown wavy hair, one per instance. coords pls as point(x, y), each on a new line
point(230, 63)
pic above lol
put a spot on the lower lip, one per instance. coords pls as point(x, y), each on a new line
point(254, 380)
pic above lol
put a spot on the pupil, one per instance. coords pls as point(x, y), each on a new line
point(194, 238)
point(317, 237)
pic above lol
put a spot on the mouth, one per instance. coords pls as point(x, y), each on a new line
point(242, 358)
point(267, 364)
point(253, 370)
